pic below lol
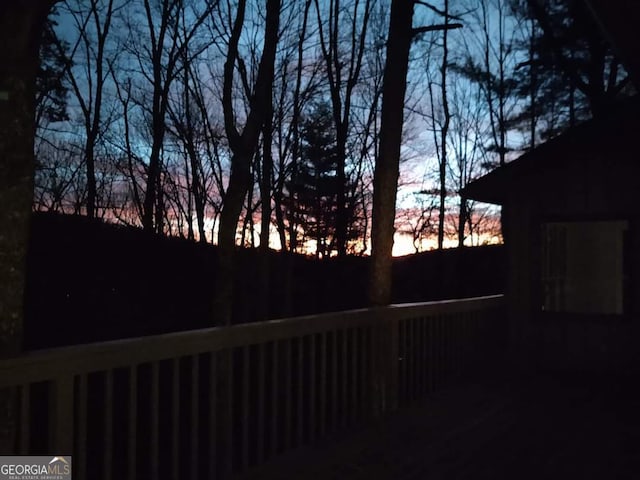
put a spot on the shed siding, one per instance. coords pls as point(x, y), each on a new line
point(579, 189)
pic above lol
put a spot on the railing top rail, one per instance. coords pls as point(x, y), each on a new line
point(43, 365)
point(404, 310)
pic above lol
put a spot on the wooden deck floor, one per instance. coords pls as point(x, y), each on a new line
point(542, 427)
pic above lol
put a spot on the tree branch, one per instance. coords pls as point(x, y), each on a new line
point(434, 28)
point(437, 10)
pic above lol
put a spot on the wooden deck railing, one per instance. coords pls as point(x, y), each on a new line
point(210, 402)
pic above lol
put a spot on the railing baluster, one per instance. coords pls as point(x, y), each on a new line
point(440, 349)
point(472, 343)
point(469, 343)
point(471, 333)
point(414, 359)
point(344, 367)
point(155, 419)
point(401, 355)
point(261, 403)
point(300, 388)
point(453, 341)
point(245, 406)
point(273, 444)
point(354, 376)
point(419, 357)
point(322, 400)
point(132, 423)
point(415, 333)
point(424, 340)
point(213, 415)
point(428, 321)
point(446, 330)
point(410, 355)
point(373, 390)
point(404, 364)
point(25, 418)
point(62, 406)
point(464, 339)
point(459, 340)
point(334, 380)
point(175, 419)
point(288, 393)
point(468, 339)
point(449, 350)
point(80, 461)
point(364, 372)
point(229, 367)
point(440, 359)
point(432, 354)
point(449, 320)
point(406, 361)
point(312, 388)
point(195, 416)
point(455, 344)
point(417, 340)
point(108, 425)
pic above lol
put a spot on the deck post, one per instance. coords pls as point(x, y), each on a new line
point(384, 362)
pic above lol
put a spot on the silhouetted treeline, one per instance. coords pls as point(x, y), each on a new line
point(91, 281)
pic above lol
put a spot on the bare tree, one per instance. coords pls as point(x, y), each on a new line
point(131, 164)
point(489, 61)
point(465, 145)
point(243, 144)
point(160, 59)
point(296, 80)
point(88, 78)
point(189, 125)
point(343, 67)
point(401, 34)
point(59, 186)
point(419, 222)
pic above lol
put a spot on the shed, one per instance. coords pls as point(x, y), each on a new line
point(571, 224)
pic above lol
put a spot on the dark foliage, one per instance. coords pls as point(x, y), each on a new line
point(89, 281)
point(51, 90)
point(315, 188)
point(575, 72)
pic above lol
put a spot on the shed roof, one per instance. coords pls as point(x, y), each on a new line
point(614, 133)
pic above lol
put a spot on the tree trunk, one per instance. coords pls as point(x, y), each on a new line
point(385, 186)
point(385, 183)
point(462, 219)
point(445, 128)
point(265, 195)
point(21, 26)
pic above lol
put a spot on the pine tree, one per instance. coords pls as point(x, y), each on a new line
point(575, 73)
point(51, 90)
point(315, 187)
